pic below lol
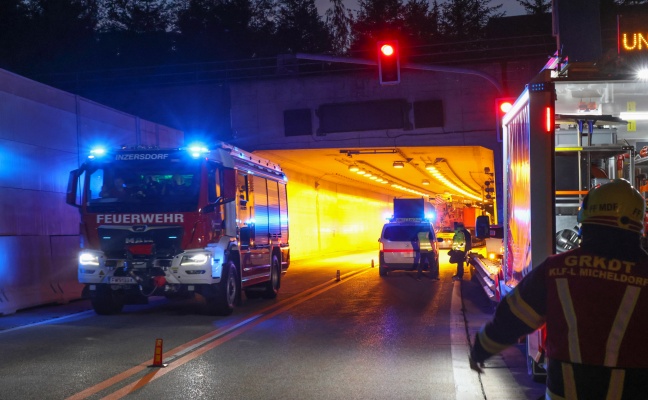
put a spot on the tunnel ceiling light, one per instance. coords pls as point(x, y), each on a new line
point(398, 164)
point(425, 182)
point(438, 175)
point(361, 172)
point(354, 168)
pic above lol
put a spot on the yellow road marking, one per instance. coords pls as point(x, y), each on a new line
point(210, 341)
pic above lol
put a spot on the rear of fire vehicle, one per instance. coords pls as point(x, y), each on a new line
point(179, 222)
point(555, 150)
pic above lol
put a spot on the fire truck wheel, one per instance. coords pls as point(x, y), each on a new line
point(223, 298)
point(272, 286)
point(106, 301)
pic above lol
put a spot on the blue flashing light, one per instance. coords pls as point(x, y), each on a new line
point(197, 150)
point(97, 152)
point(431, 216)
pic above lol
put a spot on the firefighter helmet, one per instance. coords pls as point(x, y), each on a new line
point(616, 204)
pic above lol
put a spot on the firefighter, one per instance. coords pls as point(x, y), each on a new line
point(593, 300)
point(176, 186)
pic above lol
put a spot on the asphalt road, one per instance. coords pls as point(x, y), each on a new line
point(362, 337)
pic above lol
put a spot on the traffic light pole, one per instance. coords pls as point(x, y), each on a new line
point(420, 67)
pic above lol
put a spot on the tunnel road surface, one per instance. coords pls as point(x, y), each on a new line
point(359, 337)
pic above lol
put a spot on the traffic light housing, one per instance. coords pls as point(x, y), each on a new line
point(502, 105)
point(388, 62)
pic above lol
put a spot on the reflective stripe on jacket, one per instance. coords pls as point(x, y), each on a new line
point(594, 300)
point(424, 241)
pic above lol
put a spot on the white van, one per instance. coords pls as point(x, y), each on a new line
point(399, 244)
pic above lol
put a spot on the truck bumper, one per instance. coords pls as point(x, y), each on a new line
point(195, 267)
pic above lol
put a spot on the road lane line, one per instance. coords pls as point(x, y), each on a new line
point(79, 315)
point(181, 354)
point(185, 359)
point(466, 381)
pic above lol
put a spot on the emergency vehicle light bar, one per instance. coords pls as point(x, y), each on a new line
point(97, 152)
point(401, 219)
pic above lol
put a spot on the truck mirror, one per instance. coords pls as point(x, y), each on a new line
point(72, 189)
point(482, 227)
point(219, 201)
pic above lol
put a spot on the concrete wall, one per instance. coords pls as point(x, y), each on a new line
point(44, 134)
point(468, 101)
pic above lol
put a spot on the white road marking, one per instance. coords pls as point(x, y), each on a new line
point(466, 381)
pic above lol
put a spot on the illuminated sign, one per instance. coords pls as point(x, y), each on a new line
point(139, 218)
point(632, 34)
point(141, 156)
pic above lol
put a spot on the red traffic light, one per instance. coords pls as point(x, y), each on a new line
point(505, 106)
point(388, 62)
point(387, 49)
point(502, 106)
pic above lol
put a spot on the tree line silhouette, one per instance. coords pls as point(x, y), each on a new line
point(49, 36)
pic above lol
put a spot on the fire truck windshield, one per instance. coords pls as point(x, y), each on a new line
point(137, 186)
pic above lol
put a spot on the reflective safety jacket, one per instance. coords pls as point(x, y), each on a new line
point(596, 312)
point(424, 241)
point(459, 241)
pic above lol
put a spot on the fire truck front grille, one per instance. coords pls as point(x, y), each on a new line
point(116, 240)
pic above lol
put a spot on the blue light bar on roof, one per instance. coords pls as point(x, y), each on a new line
point(97, 152)
point(197, 150)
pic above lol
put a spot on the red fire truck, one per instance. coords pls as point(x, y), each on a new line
point(569, 131)
point(175, 222)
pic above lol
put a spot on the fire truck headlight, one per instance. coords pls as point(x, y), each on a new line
point(88, 259)
point(195, 259)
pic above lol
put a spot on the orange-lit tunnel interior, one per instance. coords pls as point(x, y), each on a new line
point(334, 210)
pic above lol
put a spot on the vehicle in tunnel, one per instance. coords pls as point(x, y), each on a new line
point(401, 248)
point(175, 222)
point(445, 234)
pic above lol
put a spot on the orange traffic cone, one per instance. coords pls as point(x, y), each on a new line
point(157, 356)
